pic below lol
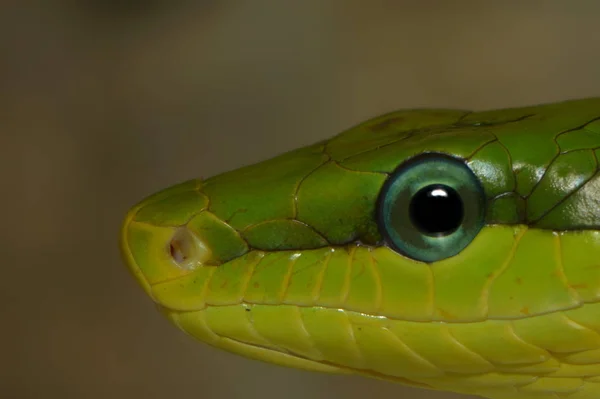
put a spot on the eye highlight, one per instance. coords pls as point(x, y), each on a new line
point(431, 207)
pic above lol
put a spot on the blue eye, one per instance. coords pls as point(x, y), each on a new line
point(431, 207)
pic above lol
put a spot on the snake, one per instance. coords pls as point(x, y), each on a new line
point(438, 248)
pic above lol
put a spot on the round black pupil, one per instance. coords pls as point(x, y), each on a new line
point(436, 210)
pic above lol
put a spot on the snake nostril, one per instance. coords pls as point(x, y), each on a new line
point(177, 251)
point(186, 250)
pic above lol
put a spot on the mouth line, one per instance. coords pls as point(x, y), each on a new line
point(246, 304)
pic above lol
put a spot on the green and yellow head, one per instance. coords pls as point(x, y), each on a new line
point(444, 249)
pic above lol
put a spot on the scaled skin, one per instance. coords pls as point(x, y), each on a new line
point(283, 261)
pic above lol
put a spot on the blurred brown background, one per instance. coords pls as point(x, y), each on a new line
point(104, 102)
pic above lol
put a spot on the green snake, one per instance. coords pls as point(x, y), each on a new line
point(438, 248)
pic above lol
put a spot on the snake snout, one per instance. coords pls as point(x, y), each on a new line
point(156, 243)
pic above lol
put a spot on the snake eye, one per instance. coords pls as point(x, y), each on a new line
point(431, 207)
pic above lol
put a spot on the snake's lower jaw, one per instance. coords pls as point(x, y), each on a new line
point(195, 324)
point(247, 330)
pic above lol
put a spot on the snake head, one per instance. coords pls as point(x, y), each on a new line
point(427, 247)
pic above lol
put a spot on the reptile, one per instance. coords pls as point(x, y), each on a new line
point(438, 248)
